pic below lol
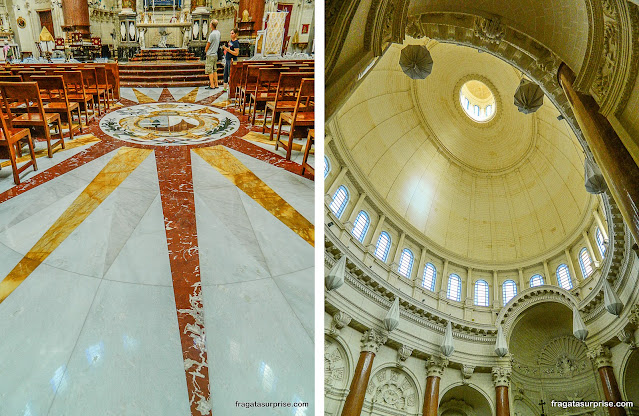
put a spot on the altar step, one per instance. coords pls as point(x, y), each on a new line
point(163, 74)
point(164, 55)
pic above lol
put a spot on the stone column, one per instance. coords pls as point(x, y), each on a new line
point(548, 276)
point(602, 360)
point(616, 164)
point(576, 278)
point(501, 379)
point(595, 256)
point(435, 370)
point(496, 303)
point(371, 340)
point(332, 187)
point(602, 229)
point(375, 235)
point(76, 14)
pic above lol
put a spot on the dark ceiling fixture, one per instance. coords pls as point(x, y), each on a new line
point(416, 62)
point(529, 97)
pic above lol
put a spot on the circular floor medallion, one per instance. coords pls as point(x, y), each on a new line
point(169, 124)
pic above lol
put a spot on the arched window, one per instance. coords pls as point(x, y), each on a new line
point(476, 110)
point(340, 200)
point(489, 110)
point(465, 102)
point(429, 277)
point(361, 225)
point(508, 291)
point(454, 288)
point(536, 280)
point(585, 262)
point(406, 262)
point(327, 166)
point(600, 241)
point(563, 277)
point(481, 293)
point(383, 245)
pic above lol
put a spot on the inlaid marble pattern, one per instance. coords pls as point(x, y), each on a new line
point(142, 261)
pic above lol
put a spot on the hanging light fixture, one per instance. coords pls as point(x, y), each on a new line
point(578, 327)
point(529, 97)
point(595, 182)
point(447, 346)
point(611, 300)
point(501, 347)
point(335, 277)
point(391, 321)
point(416, 62)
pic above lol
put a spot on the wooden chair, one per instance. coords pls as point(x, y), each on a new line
point(265, 90)
point(302, 116)
point(248, 85)
point(103, 83)
point(310, 141)
point(285, 98)
point(54, 95)
point(91, 87)
point(10, 78)
point(10, 138)
point(26, 75)
point(35, 116)
point(76, 93)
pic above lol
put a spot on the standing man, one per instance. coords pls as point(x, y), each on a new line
point(212, 46)
point(230, 53)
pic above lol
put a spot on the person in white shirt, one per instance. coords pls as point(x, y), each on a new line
point(211, 54)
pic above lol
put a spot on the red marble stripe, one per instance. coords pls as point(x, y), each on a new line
point(99, 149)
point(165, 96)
point(178, 204)
point(211, 99)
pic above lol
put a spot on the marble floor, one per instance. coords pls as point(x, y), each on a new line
point(161, 264)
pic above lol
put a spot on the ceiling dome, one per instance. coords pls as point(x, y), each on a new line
point(502, 190)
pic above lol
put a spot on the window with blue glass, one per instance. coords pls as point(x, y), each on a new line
point(361, 226)
point(481, 293)
point(340, 200)
point(585, 262)
point(429, 277)
point(508, 291)
point(454, 288)
point(536, 280)
point(600, 241)
point(327, 166)
point(563, 277)
point(383, 246)
point(406, 262)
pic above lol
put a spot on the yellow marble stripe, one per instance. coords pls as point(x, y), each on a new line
point(116, 171)
point(77, 142)
point(228, 165)
point(264, 138)
point(190, 97)
point(143, 98)
point(222, 104)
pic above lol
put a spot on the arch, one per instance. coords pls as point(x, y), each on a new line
point(340, 200)
point(429, 277)
point(406, 263)
point(481, 293)
point(341, 346)
point(536, 280)
point(628, 381)
point(585, 262)
point(360, 227)
point(563, 277)
point(383, 246)
point(509, 291)
point(453, 290)
point(488, 396)
point(327, 166)
point(401, 382)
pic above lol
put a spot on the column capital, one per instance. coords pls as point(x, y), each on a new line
point(600, 356)
point(340, 320)
point(501, 376)
point(372, 339)
point(435, 366)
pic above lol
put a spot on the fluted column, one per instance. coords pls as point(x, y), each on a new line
point(435, 370)
point(616, 163)
point(576, 278)
point(76, 15)
point(602, 360)
point(501, 379)
point(371, 341)
point(595, 256)
point(600, 225)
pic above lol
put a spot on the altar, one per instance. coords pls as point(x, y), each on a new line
point(178, 28)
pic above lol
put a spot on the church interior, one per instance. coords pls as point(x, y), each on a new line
point(156, 206)
point(481, 203)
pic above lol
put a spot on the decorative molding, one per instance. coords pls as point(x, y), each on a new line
point(501, 376)
point(467, 372)
point(489, 30)
point(626, 336)
point(600, 356)
point(403, 353)
point(395, 389)
point(372, 339)
point(435, 366)
point(339, 321)
point(335, 364)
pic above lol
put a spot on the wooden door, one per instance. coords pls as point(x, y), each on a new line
point(285, 8)
point(46, 20)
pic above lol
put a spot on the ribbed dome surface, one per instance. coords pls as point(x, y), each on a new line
point(496, 192)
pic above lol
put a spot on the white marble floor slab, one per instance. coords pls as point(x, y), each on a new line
point(180, 92)
point(128, 94)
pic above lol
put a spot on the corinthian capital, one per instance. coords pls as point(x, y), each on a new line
point(435, 366)
point(600, 356)
point(372, 339)
point(501, 376)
